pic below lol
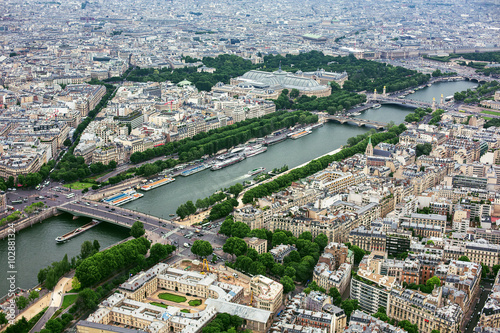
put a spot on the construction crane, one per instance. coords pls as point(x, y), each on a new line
point(205, 263)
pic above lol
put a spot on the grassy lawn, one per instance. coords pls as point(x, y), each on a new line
point(185, 311)
point(159, 304)
point(495, 113)
point(78, 185)
point(172, 297)
point(487, 118)
point(68, 300)
point(195, 302)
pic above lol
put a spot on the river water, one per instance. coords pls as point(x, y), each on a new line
point(36, 247)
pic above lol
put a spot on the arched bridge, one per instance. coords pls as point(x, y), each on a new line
point(111, 214)
point(410, 103)
point(358, 122)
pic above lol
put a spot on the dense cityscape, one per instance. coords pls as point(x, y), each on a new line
point(250, 166)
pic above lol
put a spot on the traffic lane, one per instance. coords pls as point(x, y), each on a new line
point(473, 321)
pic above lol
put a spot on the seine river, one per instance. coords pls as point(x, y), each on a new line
point(36, 246)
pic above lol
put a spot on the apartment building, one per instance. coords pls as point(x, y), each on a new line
point(369, 239)
point(362, 322)
point(425, 310)
point(259, 245)
point(267, 294)
point(372, 290)
point(327, 278)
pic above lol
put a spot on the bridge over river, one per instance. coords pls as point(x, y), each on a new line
point(111, 214)
point(358, 122)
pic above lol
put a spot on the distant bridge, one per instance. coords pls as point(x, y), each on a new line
point(409, 103)
point(358, 122)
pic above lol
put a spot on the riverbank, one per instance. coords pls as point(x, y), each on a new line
point(29, 221)
point(240, 196)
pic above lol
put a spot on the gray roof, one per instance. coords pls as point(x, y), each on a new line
point(242, 311)
point(108, 328)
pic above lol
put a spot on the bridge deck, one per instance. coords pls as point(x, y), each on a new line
point(121, 216)
point(359, 122)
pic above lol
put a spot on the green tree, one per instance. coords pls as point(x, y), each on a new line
point(21, 302)
point(33, 295)
point(294, 93)
point(67, 142)
point(485, 271)
point(86, 250)
point(288, 285)
point(137, 229)
point(433, 281)
point(359, 253)
point(3, 318)
point(279, 238)
point(267, 260)
point(75, 284)
point(235, 245)
point(240, 230)
point(290, 272)
point(202, 248)
point(464, 258)
point(87, 299)
point(96, 245)
point(349, 305)
point(496, 268)
point(306, 235)
point(322, 241)
point(408, 327)
point(226, 226)
point(335, 295)
point(54, 325)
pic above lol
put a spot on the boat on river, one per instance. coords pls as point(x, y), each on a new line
point(77, 231)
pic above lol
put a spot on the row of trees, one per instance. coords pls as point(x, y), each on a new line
point(298, 265)
point(101, 265)
point(470, 96)
point(223, 323)
point(50, 275)
point(337, 101)
point(72, 168)
point(316, 165)
point(417, 115)
point(209, 143)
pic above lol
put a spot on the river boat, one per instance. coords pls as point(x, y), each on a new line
point(227, 162)
point(300, 133)
point(194, 170)
point(273, 139)
point(123, 198)
point(376, 106)
point(256, 171)
point(157, 183)
point(356, 114)
point(448, 98)
point(77, 231)
point(254, 150)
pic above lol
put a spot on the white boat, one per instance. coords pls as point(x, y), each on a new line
point(377, 106)
point(157, 183)
point(256, 171)
point(254, 150)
